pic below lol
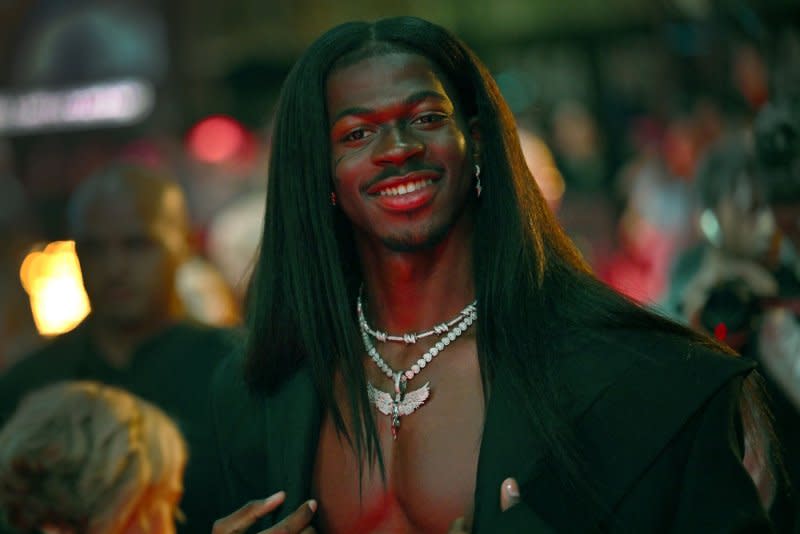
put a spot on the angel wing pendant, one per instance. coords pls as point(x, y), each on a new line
point(402, 404)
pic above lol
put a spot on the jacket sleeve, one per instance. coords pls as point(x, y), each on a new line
point(717, 493)
point(238, 442)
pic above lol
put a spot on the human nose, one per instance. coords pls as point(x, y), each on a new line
point(115, 261)
point(396, 146)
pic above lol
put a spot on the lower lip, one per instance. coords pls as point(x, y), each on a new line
point(408, 201)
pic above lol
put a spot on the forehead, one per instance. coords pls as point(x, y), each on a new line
point(381, 81)
point(111, 215)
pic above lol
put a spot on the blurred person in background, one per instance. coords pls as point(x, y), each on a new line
point(18, 233)
point(130, 225)
point(777, 139)
point(738, 230)
point(743, 284)
point(84, 458)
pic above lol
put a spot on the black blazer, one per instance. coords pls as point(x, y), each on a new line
point(656, 420)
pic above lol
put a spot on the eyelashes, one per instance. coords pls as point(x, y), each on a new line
point(424, 121)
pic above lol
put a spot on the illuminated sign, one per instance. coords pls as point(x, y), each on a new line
point(117, 103)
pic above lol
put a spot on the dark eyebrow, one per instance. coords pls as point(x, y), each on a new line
point(410, 100)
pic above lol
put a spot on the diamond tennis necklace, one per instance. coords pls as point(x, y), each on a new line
point(407, 403)
point(410, 338)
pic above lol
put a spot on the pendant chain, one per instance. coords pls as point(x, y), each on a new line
point(403, 402)
point(465, 321)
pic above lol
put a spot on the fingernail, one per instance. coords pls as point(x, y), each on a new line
point(274, 497)
point(312, 504)
point(511, 489)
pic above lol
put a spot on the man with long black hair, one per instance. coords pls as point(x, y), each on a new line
point(428, 351)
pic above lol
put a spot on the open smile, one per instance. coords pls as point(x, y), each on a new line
point(405, 193)
point(403, 189)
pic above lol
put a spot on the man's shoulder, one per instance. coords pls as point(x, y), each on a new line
point(202, 341)
point(636, 360)
point(656, 348)
point(234, 399)
point(56, 361)
point(57, 356)
point(204, 333)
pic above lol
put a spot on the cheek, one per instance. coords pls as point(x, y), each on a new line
point(451, 150)
point(351, 168)
point(154, 276)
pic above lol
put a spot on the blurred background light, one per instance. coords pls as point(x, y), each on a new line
point(216, 139)
point(116, 103)
point(52, 278)
point(542, 165)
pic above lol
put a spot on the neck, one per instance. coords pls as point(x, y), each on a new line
point(412, 291)
point(117, 342)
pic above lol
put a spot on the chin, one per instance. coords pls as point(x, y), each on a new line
point(416, 241)
point(130, 319)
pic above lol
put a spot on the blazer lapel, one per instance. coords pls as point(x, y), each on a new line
point(611, 389)
point(293, 421)
point(510, 447)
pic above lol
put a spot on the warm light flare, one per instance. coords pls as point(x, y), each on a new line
point(52, 278)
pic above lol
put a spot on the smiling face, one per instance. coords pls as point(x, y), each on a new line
point(401, 154)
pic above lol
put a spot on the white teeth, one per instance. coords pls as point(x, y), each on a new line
point(403, 189)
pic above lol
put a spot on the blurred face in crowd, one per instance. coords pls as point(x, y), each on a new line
point(401, 162)
point(127, 262)
point(745, 220)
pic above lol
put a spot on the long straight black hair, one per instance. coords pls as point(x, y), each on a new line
point(531, 283)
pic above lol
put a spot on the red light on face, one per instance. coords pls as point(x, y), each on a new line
point(721, 331)
point(216, 139)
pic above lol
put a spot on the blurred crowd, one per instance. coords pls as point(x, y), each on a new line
point(690, 205)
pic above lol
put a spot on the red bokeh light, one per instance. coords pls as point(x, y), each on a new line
point(216, 139)
point(721, 331)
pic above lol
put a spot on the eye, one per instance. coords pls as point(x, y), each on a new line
point(359, 134)
point(137, 242)
point(429, 118)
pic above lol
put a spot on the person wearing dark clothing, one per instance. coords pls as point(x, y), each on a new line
point(131, 226)
point(427, 350)
point(743, 283)
point(171, 369)
point(661, 456)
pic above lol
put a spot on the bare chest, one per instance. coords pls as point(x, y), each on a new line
point(430, 468)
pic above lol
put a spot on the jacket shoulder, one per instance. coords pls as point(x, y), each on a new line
point(55, 361)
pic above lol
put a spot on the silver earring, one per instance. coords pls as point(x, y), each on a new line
point(478, 187)
point(333, 198)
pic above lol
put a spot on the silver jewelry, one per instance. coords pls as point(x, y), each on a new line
point(478, 187)
point(410, 338)
point(407, 403)
point(402, 403)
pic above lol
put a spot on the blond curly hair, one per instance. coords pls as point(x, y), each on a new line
point(83, 456)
